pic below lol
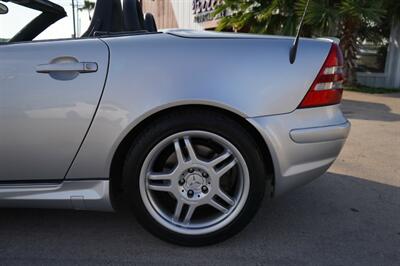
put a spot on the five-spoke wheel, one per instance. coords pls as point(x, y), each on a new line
point(207, 171)
point(194, 177)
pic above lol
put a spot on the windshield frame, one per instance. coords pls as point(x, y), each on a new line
point(51, 13)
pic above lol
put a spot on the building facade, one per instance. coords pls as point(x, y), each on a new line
point(187, 14)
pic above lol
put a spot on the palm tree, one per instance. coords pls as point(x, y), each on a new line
point(259, 16)
point(89, 6)
point(345, 19)
point(393, 9)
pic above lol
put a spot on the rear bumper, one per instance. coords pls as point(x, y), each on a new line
point(303, 144)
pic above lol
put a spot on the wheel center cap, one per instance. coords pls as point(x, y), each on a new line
point(194, 182)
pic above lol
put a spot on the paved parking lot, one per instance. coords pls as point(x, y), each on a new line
point(350, 216)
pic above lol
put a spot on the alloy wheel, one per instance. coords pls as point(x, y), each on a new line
point(194, 182)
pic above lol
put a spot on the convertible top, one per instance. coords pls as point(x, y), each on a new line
point(50, 14)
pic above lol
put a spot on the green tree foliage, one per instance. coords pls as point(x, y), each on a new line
point(274, 16)
point(352, 21)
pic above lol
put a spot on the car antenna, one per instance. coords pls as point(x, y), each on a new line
point(293, 49)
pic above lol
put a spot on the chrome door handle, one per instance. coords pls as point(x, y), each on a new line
point(80, 67)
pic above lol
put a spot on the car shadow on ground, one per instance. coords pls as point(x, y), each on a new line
point(390, 95)
point(335, 220)
point(368, 111)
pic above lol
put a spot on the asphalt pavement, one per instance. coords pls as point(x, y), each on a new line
point(349, 216)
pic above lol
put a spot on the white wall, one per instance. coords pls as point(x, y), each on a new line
point(184, 15)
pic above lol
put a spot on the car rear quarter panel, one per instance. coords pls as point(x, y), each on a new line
point(148, 73)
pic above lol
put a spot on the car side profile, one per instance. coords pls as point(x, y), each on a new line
point(190, 128)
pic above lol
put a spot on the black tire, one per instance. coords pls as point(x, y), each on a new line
point(205, 120)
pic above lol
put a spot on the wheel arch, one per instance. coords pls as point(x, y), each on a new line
point(124, 145)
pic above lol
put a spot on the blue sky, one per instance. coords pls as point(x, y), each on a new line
point(19, 16)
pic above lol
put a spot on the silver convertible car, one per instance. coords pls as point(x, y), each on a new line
point(191, 128)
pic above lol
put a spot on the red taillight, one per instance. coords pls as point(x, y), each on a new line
point(327, 88)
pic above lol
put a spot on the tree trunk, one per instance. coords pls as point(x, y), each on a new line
point(349, 45)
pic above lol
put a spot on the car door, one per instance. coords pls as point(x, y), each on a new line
point(49, 92)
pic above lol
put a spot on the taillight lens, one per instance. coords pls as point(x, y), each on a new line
point(327, 88)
